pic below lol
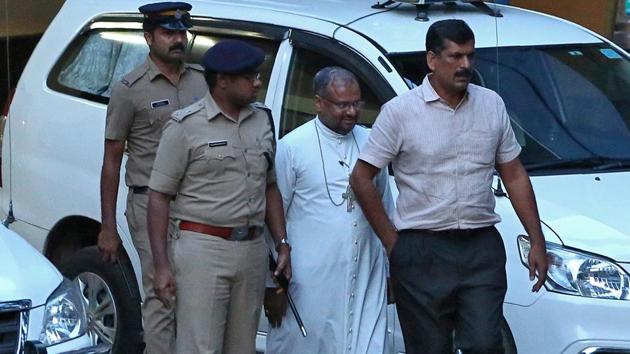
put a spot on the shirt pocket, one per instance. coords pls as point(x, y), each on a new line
point(150, 121)
point(221, 162)
point(481, 149)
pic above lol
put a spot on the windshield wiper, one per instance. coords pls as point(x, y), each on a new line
point(596, 163)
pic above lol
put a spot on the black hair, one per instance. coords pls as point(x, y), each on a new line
point(456, 31)
point(327, 75)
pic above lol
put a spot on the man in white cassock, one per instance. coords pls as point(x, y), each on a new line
point(339, 265)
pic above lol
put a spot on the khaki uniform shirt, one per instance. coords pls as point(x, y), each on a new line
point(140, 104)
point(219, 168)
point(443, 158)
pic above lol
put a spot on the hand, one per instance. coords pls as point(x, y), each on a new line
point(164, 285)
point(108, 243)
point(284, 262)
point(275, 306)
point(537, 260)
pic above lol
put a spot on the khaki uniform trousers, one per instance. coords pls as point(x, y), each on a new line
point(158, 321)
point(220, 288)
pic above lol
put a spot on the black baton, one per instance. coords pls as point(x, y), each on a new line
point(284, 284)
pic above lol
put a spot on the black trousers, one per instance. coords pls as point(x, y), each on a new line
point(447, 281)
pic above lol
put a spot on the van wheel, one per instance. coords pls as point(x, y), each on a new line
point(112, 299)
point(509, 345)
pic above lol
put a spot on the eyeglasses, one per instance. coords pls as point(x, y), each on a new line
point(252, 77)
point(342, 106)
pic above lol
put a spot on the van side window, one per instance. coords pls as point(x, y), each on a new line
point(93, 63)
point(203, 42)
point(98, 59)
point(298, 106)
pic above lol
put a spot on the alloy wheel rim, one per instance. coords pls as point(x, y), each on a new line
point(100, 307)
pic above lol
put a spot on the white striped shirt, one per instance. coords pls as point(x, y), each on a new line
point(443, 158)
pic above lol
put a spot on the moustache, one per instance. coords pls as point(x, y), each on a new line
point(464, 73)
point(176, 47)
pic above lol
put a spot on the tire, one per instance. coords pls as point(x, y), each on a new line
point(112, 299)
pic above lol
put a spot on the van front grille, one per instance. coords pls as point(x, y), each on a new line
point(9, 332)
point(13, 326)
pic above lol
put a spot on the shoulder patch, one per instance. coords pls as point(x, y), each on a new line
point(181, 114)
point(135, 74)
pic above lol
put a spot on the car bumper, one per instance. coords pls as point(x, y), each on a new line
point(558, 323)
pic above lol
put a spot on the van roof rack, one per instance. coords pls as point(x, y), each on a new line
point(422, 6)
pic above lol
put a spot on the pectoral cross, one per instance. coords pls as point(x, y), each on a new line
point(349, 197)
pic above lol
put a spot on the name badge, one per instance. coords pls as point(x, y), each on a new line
point(217, 143)
point(160, 103)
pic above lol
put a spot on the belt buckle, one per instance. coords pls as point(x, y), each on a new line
point(240, 233)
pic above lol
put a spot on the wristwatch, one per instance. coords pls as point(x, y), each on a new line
point(283, 241)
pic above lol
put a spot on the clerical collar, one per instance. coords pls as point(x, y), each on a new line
point(329, 133)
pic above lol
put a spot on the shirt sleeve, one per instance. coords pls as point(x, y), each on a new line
point(384, 188)
point(286, 177)
point(120, 113)
point(271, 173)
point(171, 160)
point(384, 141)
point(508, 148)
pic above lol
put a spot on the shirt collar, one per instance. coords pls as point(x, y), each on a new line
point(214, 110)
point(327, 132)
point(430, 95)
point(154, 71)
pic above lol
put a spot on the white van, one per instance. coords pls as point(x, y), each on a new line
point(567, 91)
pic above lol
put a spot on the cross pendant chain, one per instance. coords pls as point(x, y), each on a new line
point(349, 197)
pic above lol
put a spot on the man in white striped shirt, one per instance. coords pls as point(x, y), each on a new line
point(447, 260)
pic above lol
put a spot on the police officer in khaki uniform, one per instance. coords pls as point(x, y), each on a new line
point(140, 104)
point(216, 158)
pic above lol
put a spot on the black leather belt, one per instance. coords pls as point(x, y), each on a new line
point(139, 189)
point(451, 232)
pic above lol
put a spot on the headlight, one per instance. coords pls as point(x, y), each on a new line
point(580, 273)
point(64, 316)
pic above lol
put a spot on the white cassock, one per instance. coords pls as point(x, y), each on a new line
point(339, 264)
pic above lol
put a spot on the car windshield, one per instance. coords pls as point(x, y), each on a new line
point(569, 105)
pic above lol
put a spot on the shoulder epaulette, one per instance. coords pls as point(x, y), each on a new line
point(196, 67)
point(181, 114)
point(129, 79)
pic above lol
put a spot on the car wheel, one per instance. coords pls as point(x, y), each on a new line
point(112, 299)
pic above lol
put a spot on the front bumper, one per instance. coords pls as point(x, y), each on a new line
point(557, 323)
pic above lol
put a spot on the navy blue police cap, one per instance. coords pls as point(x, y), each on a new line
point(169, 15)
point(232, 56)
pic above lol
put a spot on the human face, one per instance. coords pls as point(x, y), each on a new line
point(452, 68)
point(243, 88)
point(339, 108)
point(168, 46)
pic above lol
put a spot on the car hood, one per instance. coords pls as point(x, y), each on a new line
point(588, 211)
point(25, 273)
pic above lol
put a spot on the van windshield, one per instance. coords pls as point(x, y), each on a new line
point(569, 105)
